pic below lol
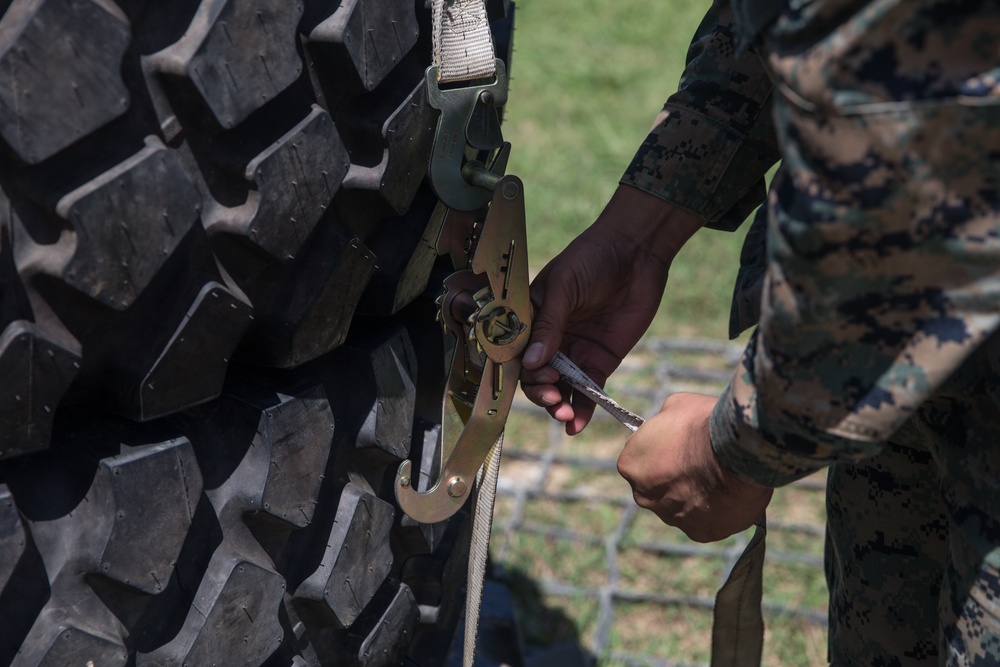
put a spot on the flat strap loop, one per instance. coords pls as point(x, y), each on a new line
point(462, 42)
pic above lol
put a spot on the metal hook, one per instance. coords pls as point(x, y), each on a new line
point(457, 106)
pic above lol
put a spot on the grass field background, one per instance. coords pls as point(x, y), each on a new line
point(588, 78)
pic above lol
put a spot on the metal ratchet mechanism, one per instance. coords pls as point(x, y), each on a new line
point(485, 305)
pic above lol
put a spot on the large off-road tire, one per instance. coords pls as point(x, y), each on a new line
point(217, 336)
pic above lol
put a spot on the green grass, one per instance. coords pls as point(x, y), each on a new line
point(683, 633)
point(588, 78)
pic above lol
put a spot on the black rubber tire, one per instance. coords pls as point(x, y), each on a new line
point(217, 336)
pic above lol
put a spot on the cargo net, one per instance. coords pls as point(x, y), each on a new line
point(596, 577)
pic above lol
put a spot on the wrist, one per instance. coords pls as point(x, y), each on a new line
point(722, 429)
point(648, 222)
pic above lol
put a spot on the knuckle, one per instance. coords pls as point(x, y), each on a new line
point(699, 535)
point(623, 468)
point(641, 500)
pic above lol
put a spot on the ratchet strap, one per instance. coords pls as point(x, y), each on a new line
point(463, 52)
point(737, 623)
point(467, 84)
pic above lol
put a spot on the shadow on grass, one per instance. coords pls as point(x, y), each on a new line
point(549, 634)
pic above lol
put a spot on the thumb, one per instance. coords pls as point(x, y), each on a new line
point(551, 313)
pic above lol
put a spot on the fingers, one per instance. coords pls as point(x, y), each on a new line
point(561, 402)
point(539, 386)
point(543, 388)
point(550, 397)
point(552, 308)
point(583, 411)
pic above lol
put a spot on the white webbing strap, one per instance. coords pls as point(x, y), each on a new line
point(580, 381)
point(462, 42)
point(482, 524)
point(463, 51)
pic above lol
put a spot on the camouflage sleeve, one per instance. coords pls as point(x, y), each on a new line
point(714, 140)
point(883, 240)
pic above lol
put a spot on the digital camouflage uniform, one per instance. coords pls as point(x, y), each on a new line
point(877, 352)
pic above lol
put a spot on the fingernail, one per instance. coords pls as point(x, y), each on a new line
point(533, 355)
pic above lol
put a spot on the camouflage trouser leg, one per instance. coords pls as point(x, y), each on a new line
point(962, 426)
point(885, 552)
point(913, 537)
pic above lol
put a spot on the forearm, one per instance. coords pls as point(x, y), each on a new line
point(714, 141)
point(648, 223)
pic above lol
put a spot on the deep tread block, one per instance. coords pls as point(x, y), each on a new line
point(21, 600)
point(57, 644)
point(56, 90)
point(298, 433)
point(407, 134)
point(295, 179)
point(237, 54)
point(406, 250)
point(305, 310)
point(170, 349)
point(292, 440)
point(386, 630)
point(128, 221)
point(12, 537)
point(233, 620)
point(369, 37)
point(389, 425)
point(201, 345)
point(89, 527)
point(229, 637)
point(36, 369)
point(262, 455)
point(356, 561)
point(91, 522)
point(263, 452)
point(135, 553)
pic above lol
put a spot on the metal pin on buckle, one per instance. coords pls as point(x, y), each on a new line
point(468, 118)
point(486, 307)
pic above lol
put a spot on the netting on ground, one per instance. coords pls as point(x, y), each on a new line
point(586, 564)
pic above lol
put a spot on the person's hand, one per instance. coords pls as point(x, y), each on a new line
point(596, 298)
point(673, 471)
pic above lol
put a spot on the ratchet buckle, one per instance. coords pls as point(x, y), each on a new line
point(487, 308)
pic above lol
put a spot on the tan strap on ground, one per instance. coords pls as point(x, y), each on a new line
point(737, 624)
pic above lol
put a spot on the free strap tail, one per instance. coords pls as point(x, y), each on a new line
point(737, 623)
point(580, 381)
